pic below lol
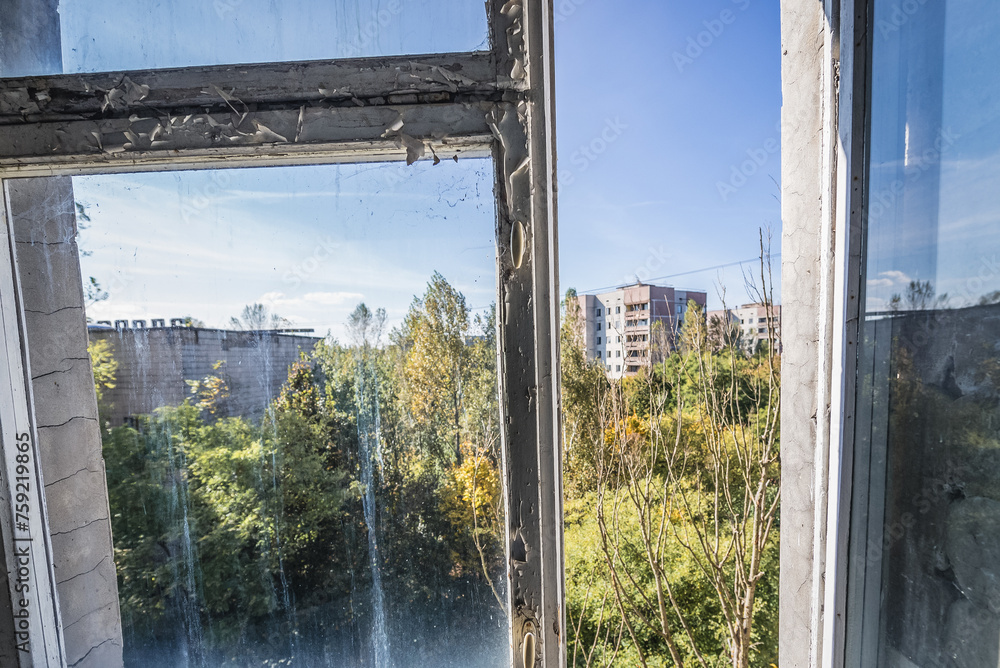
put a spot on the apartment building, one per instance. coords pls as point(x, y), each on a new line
point(619, 325)
point(748, 322)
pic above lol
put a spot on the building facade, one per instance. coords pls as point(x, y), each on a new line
point(626, 328)
point(155, 364)
point(747, 324)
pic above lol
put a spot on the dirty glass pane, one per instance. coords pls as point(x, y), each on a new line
point(296, 378)
point(925, 550)
point(109, 35)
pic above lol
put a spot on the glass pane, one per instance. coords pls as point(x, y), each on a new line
point(108, 35)
point(925, 576)
point(296, 376)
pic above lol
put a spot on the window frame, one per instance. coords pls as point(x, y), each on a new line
point(498, 103)
point(845, 90)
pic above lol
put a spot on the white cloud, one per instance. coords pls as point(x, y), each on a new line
point(889, 279)
point(280, 300)
point(896, 276)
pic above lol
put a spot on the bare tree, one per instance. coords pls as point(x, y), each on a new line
point(257, 317)
point(365, 326)
point(699, 472)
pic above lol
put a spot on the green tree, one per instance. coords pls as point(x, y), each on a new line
point(437, 363)
point(673, 544)
point(104, 365)
point(583, 384)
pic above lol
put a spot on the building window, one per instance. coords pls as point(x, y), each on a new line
point(598, 340)
point(618, 353)
point(598, 354)
point(598, 327)
point(223, 117)
point(618, 367)
point(925, 514)
point(598, 313)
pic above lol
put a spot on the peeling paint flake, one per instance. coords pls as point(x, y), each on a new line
point(513, 11)
point(124, 95)
point(336, 93)
point(17, 102)
point(415, 148)
point(420, 74)
point(264, 134)
point(509, 127)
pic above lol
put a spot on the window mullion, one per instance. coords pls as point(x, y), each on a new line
point(327, 111)
point(529, 325)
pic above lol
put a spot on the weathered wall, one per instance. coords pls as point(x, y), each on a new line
point(805, 244)
point(69, 438)
point(154, 365)
point(66, 411)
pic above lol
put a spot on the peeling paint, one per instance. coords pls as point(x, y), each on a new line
point(512, 12)
point(18, 102)
point(508, 123)
point(124, 95)
point(51, 121)
point(415, 148)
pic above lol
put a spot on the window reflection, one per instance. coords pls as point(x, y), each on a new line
point(296, 375)
point(113, 35)
point(926, 508)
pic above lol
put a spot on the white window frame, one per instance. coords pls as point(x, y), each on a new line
point(826, 50)
point(497, 104)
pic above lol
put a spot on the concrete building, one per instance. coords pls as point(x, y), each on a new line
point(751, 321)
point(620, 325)
point(155, 364)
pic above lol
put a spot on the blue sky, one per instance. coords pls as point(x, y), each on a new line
point(102, 35)
point(668, 141)
point(308, 242)
point(650, 204)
